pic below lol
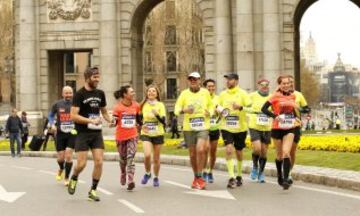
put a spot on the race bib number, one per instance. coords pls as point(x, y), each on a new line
point(287, 122)
point(213, 121)
point(128, 121)
point(67, 127)
point(92, 126)
point(152, 127)
point(262, 119)
point(232, 121)
point(197, 123)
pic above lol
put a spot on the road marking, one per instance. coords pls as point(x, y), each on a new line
point(132, 206)
point(104, 191)
point(221, 194)
point(9, 196)
point(47, 172)
point(21, 167)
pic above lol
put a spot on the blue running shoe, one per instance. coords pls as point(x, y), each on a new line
point(145, 179)
point(210, 178)
point(205, 176)
point(156, 182)
point(254, 173)
point(261, 178)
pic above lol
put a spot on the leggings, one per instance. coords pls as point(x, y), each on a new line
point(127, 151)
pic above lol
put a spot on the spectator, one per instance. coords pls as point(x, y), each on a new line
point(26, 126)
point(174, 128)
point(338, 124)
point(14, 128)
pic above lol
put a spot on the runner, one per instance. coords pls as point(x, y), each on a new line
point(127, 115)
point(283, 127)
point(195, 104)
point(259, 128)
point(233, 126)
point(65, 133)
point(152, 132)
point(304, 108)
point(214, 134)
point(87, 104)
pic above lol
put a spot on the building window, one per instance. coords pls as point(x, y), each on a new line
point(69, 63)
point(170, 35)
point(171, 61)
point(171, 88)
point(72, 84)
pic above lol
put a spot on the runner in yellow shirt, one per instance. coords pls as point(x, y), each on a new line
point(233, 125)
point(195, 103)
point(304, 108)
point(152, 132)
point(214, 134)
point(259, 128)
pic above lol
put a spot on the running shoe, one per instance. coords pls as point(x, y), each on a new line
point(210, 178)
point(66, 182)
point(123, 179)
point(93, 196)
point(131, 186)
point(59, 175)
point(156, 182)
point(194, 184)
point(201, 183)
point(205, 176)
point(232, 183)
point(286, 184)
point(239, 181)
point(72, 186)
point(145, 179)
point(261, 177)
point(254, 173)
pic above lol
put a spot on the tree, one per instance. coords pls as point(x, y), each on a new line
point(310, 86)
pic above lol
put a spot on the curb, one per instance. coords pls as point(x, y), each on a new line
point(316, 175)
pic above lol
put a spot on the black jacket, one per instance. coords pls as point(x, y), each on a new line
point(14, 125)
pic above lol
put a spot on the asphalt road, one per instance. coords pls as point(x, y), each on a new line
point(44, 196)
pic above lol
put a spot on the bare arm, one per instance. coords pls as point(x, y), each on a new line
point(105, 114)
point(74, 115)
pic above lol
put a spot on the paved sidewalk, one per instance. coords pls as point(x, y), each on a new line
point(318, 175)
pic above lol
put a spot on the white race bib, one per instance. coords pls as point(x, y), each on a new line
point(262, 119)
point(213, 121)
point(287, 122)
point(197, 123)
point(128, 121)
point(92, 126)
point(152, 127)
point(67, 127)
point(232, 121)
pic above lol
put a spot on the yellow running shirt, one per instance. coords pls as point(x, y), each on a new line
point(200, 102)
point(214, 125)
point(258, 120)
point(153, 125)
point(235, 122)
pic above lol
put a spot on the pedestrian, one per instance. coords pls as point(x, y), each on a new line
point(65, 133)
point(152, 133)
point(234, 126)
point(88, 103)
point(338, 123)
point(214, 134)
point(26, 125)
point(174, 128)
point(259, 128)
point(14, 129)
point(127, 115)
point(196, 106)
point(284, 127)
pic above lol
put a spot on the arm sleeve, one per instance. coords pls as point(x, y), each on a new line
point(303, 102)
point(103, 100)
point(7, 125)
point(265, 110)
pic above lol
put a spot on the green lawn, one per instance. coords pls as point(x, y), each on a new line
point(338, 160)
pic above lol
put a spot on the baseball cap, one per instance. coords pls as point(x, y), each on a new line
point(232, 76)
point(194, 74)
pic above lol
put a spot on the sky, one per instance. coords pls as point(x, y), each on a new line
point(335, 27)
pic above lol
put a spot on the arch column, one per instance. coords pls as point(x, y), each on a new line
point(271, 41)
point(245, 43)
point(108, 49)
point(26, 56)
point(223, 35)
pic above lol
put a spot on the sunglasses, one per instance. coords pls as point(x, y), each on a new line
point(264, 84)
point(192, 78)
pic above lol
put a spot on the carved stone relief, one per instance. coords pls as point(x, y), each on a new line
point(69, 9)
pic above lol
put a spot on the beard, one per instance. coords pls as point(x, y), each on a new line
point(93, 84)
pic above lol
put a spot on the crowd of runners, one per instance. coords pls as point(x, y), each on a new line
point(206, 116)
